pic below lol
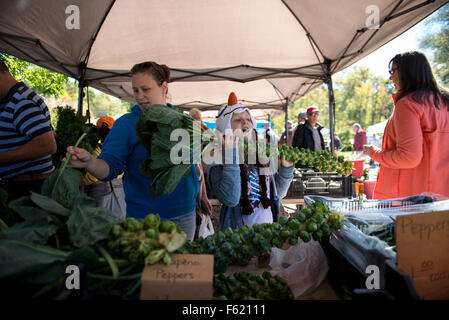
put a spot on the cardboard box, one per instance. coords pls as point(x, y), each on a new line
point(423, 252)
point(188, 277)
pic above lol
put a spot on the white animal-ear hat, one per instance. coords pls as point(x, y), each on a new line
point(225, 114)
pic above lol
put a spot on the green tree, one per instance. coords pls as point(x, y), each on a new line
point(359, 97)
point(41, 80)
point(438, 42)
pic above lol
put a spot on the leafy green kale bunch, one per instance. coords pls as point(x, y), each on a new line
point(153, 131)
point(69, 128)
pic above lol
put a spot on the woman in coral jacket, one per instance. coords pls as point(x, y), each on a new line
point(415, 149)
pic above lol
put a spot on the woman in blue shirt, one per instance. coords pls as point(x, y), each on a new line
point(122, 150)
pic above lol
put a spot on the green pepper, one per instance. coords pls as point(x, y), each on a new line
point(131, 224)
point(167, 226)
point(177, 240)
point(152, 234)
point(151, 221)
point(155, 256)
point(117, 231)
point(167, 259)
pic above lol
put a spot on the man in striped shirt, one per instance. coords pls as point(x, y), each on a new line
point(26, 137)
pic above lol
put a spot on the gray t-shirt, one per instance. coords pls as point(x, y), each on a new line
point(316, 137)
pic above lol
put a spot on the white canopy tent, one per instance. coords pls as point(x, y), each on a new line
point(269, 52)
point(377, 128)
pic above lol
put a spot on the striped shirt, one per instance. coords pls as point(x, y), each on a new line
point(23, 116)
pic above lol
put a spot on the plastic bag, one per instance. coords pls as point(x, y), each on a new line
point(109, 195)
point(303, 266)
point(360, 249)
point(206, 227)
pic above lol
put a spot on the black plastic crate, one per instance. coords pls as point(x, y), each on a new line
point(318, 183)
point(349, 282)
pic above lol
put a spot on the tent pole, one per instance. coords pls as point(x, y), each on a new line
point(81, 86)
point(286, 120)
point(331, 105)
point(80, 97)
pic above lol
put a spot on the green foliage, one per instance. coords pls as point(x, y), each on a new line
point(345, 136)
point(41, 80)
point(438, 42)
point(69, 127)
point(153, 131)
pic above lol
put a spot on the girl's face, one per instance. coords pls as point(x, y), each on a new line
point(241, 121)
point(146, 90)
point(394, 76)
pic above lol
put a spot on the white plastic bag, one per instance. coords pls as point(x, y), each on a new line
point(303, 266)
point(206, 227)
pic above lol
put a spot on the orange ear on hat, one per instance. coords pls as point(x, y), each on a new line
point(232, 100)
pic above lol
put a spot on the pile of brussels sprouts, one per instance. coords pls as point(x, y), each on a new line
point(248, 286)
point(322, 160)
point(239, 246)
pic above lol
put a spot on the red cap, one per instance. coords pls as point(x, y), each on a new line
point(312, 109)
point(108, 120)
point(232, 100)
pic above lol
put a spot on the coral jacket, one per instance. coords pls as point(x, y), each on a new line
point(415, 151)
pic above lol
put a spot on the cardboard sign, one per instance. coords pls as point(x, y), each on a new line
point(188, 277)
point(423, 252)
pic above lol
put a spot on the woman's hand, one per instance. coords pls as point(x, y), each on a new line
point(369, 149)
point(80, 157)
point(285, 163)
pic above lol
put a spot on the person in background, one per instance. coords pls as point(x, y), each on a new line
point(195, 114)
point(203, 205)
point(122, 149)
point(359, 140)
point(109, 194)
point(27, 138)
point(269, 134)
point(282, 140)
point(249, 195)
point(337, 142)
point(415, 148)
point(302, 116)
point(308, 135)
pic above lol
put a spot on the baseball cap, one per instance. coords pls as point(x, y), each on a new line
point(108, 120)
point(312, 109)
point(302, 113)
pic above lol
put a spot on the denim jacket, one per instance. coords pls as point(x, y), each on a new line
point(224, 182)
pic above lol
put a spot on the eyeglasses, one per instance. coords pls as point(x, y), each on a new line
point(313, 114)
point(391, 71)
